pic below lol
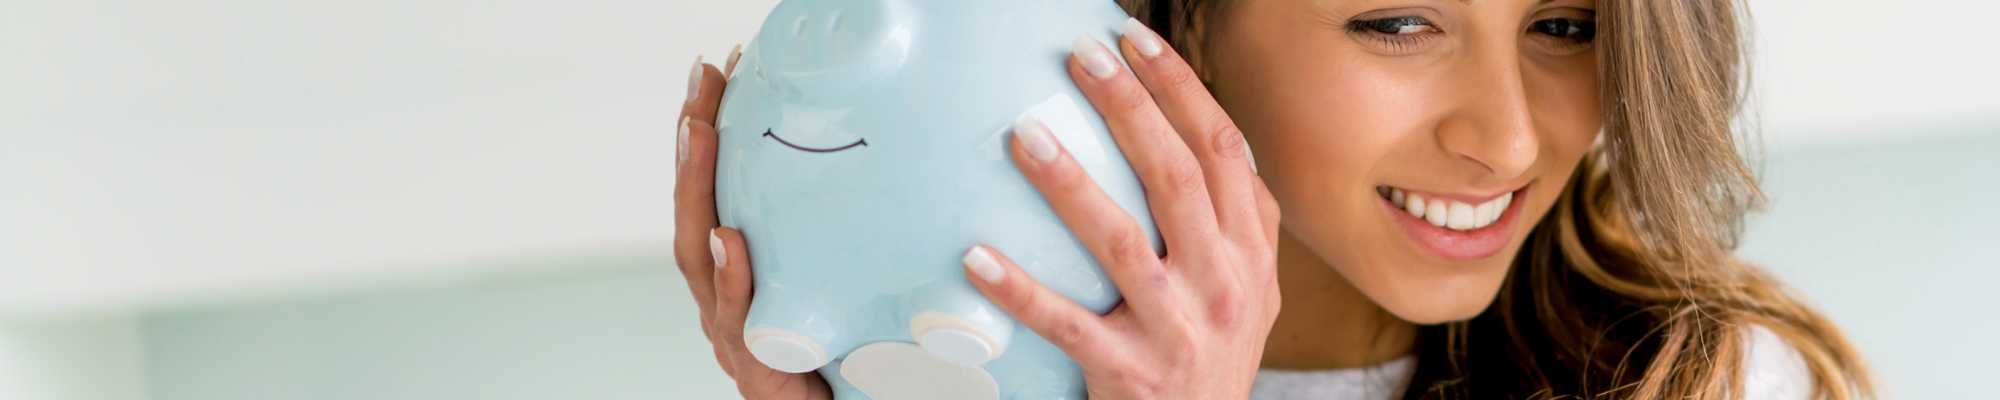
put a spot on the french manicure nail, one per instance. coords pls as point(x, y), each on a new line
point(1252, 157)
point(735, 54)
point(694, 80)
point(1143, 39)
point(1096, 59)
point(715, 248)
point(983, 265)
point(684, 138)
point(1036, 138)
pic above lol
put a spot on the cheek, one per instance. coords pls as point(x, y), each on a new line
point(1326, 129)
point(1565, 101)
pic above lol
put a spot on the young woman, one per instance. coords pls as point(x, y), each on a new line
point(1482, 199)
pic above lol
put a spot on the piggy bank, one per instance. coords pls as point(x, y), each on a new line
point(865, 148)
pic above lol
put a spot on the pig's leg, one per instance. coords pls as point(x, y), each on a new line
point(954, 323)
point(788, 332)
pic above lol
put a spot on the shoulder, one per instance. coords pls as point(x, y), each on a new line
point(1773, 368)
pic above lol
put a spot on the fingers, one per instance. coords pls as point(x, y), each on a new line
point(1173, 178)
point(694, 210)
point(1208, 131)
point(694, 182)
point(1113, 237)
point(705, 85)
point(732, 303)
point(732, 283)
point(1078, 332)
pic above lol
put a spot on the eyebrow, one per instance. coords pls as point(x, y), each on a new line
point(1536, 3)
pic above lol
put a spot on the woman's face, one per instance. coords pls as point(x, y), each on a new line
point(1481, 108)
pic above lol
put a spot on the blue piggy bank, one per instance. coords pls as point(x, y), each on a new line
point(865, 147)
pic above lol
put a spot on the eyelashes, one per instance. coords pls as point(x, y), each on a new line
point(1391, 26)
point(1403, 34)
point(1564, 35)
point(1398, 35)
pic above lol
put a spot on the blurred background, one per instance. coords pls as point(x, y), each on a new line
point(435, 199)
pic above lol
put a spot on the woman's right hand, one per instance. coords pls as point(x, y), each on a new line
point(715, 260)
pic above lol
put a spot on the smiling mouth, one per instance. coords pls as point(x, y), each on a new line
point(858, 143)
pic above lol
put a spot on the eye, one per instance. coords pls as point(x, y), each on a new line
point(1575, 31)
point(1393, 26)
point(1394, 35)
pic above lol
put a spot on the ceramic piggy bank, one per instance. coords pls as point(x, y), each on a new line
point(865, 148)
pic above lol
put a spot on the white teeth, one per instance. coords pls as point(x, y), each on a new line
point(1437, 212)
point(1448, 214)
point(1415, 206)
point(1462, 217)
point(1484, 213)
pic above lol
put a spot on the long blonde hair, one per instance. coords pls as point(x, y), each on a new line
point(1629, 288)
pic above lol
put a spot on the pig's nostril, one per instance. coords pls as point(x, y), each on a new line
point(799, 28)
point(833, 24)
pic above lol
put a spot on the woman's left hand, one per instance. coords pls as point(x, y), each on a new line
point(1193, 323)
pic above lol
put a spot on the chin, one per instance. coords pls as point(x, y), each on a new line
point(1437, 301)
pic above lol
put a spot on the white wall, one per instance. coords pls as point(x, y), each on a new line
point(187, 151)
point(1856, 70)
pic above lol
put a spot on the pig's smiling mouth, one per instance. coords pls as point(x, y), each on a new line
point(857, 143)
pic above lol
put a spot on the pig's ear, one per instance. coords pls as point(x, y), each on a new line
point(813, 50)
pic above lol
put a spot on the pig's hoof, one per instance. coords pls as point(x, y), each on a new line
point(902, 371)
point(785, 351)
point(955, 341)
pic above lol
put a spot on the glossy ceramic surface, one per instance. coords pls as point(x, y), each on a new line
point(864, 149)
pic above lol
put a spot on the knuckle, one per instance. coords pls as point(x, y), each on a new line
point(1134, 99)
point(1184, 81)
point(1183, 177)
point(1226, 309)
point(1008, 296)
point(1131, 247)
point(686, 261)
point(1070, 333)
point(1227, 140)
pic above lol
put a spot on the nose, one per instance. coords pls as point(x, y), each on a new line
point(1492, 126)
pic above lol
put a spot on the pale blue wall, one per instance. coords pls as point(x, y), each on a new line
point(1898, 241)
point(621, 329)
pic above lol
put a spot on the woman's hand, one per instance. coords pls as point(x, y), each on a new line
point(1193, 324)
point(719, 274)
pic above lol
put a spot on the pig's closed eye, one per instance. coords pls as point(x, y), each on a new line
point(857, 143)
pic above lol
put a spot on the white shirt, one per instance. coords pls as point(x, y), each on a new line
point(1772, 369)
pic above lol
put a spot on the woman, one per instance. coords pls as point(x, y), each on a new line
point(1482, 199)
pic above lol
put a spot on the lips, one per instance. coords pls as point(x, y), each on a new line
point(1454, 229)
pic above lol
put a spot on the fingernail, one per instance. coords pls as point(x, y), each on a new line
point(1036, 138)
point(735, 54)
point(1143, 39)
point(983, 265)
point(1252, 157)
point(1096, 59)
point(684, 137)
point(694, 80)
point(715, 248)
